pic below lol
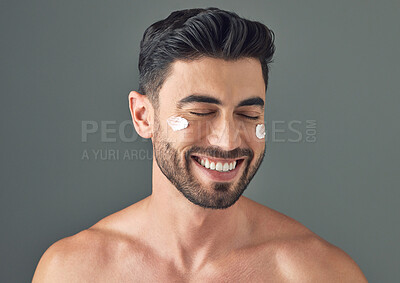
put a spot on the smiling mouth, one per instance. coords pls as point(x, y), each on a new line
point(215, 164)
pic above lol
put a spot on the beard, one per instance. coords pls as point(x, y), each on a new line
point(177, 168)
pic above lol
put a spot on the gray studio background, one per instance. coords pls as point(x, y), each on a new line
point(64, 63)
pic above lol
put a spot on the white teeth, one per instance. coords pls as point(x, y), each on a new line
point(219, 166)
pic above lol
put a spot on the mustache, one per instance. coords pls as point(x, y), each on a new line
point(218, 153)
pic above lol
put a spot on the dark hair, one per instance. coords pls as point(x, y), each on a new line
point(195, 33)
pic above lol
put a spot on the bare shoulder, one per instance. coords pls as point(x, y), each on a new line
point(88, 254)
point(92, 252)
point(74, 258)
point(61, 257)
point(310, 258)
point(301, 255)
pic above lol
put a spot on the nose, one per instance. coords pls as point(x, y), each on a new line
point(224, 134)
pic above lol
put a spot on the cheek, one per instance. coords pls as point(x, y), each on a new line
point(177, 123)
point(254, 134)
point(254, 138)
point(188, 131)
point(260, 131)
point(196, 132)
point(201, 130)
point(181, 130)
point(257, 145)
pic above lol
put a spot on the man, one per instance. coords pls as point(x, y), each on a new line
point(203, 79)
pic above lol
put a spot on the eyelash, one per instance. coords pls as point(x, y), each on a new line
point(250, 117)
point(209, 113)
point(202, 114)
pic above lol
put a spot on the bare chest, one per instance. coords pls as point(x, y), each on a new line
point(144, 268)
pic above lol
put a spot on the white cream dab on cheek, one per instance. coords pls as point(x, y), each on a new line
point(260, 131)
point(177, 123)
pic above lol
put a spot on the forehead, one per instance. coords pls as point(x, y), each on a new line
point(229, 81)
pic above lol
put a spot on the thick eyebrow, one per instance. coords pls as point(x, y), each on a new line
point(252, 101)
point(199, 98)
point(208, 99)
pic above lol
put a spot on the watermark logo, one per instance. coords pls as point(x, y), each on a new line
point(111, 154)
point(108, 133)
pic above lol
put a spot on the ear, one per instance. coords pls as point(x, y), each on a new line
point(142, 114)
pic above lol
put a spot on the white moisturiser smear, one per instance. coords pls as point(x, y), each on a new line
point(260, 131)
point(177, 123)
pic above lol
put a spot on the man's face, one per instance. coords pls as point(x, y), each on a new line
point(223, 102)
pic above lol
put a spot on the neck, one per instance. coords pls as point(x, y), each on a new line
point(188, 233)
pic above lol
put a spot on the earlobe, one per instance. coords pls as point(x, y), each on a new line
point(140, 109)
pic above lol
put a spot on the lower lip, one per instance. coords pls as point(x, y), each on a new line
point(217, 175)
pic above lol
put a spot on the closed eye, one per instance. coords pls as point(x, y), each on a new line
point(249, 117)
point(209, 113)
point(202, 114)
